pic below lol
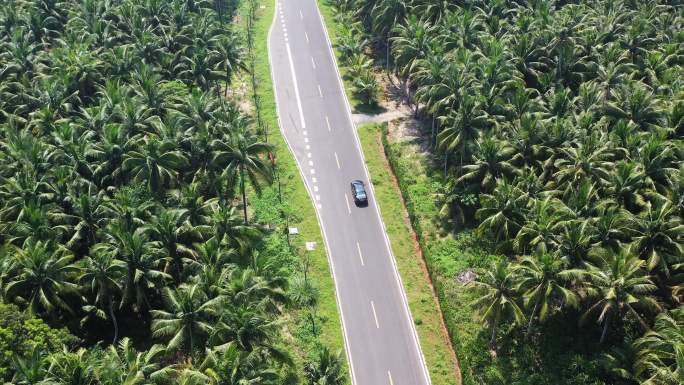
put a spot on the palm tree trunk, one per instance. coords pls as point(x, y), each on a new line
point(643, 324)
point(495, 324)
point(177, 262)
point(604, 333)
point(225, 92)
point(114, 321)
point(244, 195)
point(534, 312)
point(192, 341)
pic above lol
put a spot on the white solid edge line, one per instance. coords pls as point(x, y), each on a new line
point(296, 87)
point(416, 339)
point(375, 315)
point(338, 300)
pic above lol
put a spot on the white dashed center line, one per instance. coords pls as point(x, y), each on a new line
point(313, 63)
point(337, 160)
point(310, 163)
point(358, 247)
point(308, 155)
point(390, 377)
point(320, 91)
point(327, 121)
point(346, 199)
point(306, 35)
point(313, 171)
point(375, 315)
point(301, 16)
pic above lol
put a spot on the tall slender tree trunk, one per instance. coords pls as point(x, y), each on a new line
point(643, 324)
point(244, 195)
point(534, 312)
point(225, 92)
point(192, 341)
point(434, 133)
point(387, 56)
point(114, 320)
point(495, 324)
point(177, 264)
point(606, 323)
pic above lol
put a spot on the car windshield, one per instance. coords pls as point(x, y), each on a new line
point(359, 189)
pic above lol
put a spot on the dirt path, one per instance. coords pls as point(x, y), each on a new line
point(383, 117)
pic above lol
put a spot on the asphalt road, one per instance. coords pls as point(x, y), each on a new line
point(381, 341)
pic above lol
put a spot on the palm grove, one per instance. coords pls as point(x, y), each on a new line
point(558, 128)
point(123, 209)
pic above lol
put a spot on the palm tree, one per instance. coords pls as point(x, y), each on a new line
point(543, 282)
point(490, 161)
point(67, 368)
point(305, 294)
point(658, 237)
point(503, 212)
point(366, 86)
point(155, 162)
point(41, 276)
point(461, 127)
point(174, 233)
point(123, 364)
point(30, 369)
point(142, 262)
point(498, 297)
point(187, 320)
point(385, 15)
point(660, 360)
point(544, 221)
point(617, 286)
point(230, 53)
point(237, 367)
point(241, 156)
point(635, 103)
point(327, 370)
point(626, 186)
point(101, 274)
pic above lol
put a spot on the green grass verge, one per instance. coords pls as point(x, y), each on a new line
point(433, 342)
point(298, 206)
point(333, 28)
point(559, 354)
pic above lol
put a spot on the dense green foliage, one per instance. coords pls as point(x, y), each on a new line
point(557, 126)
point(124, 200)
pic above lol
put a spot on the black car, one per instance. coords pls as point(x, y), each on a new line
point(359, 192)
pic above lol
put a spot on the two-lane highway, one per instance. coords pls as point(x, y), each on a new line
point(381, 340)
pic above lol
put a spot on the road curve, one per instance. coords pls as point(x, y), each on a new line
point(381, 341)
